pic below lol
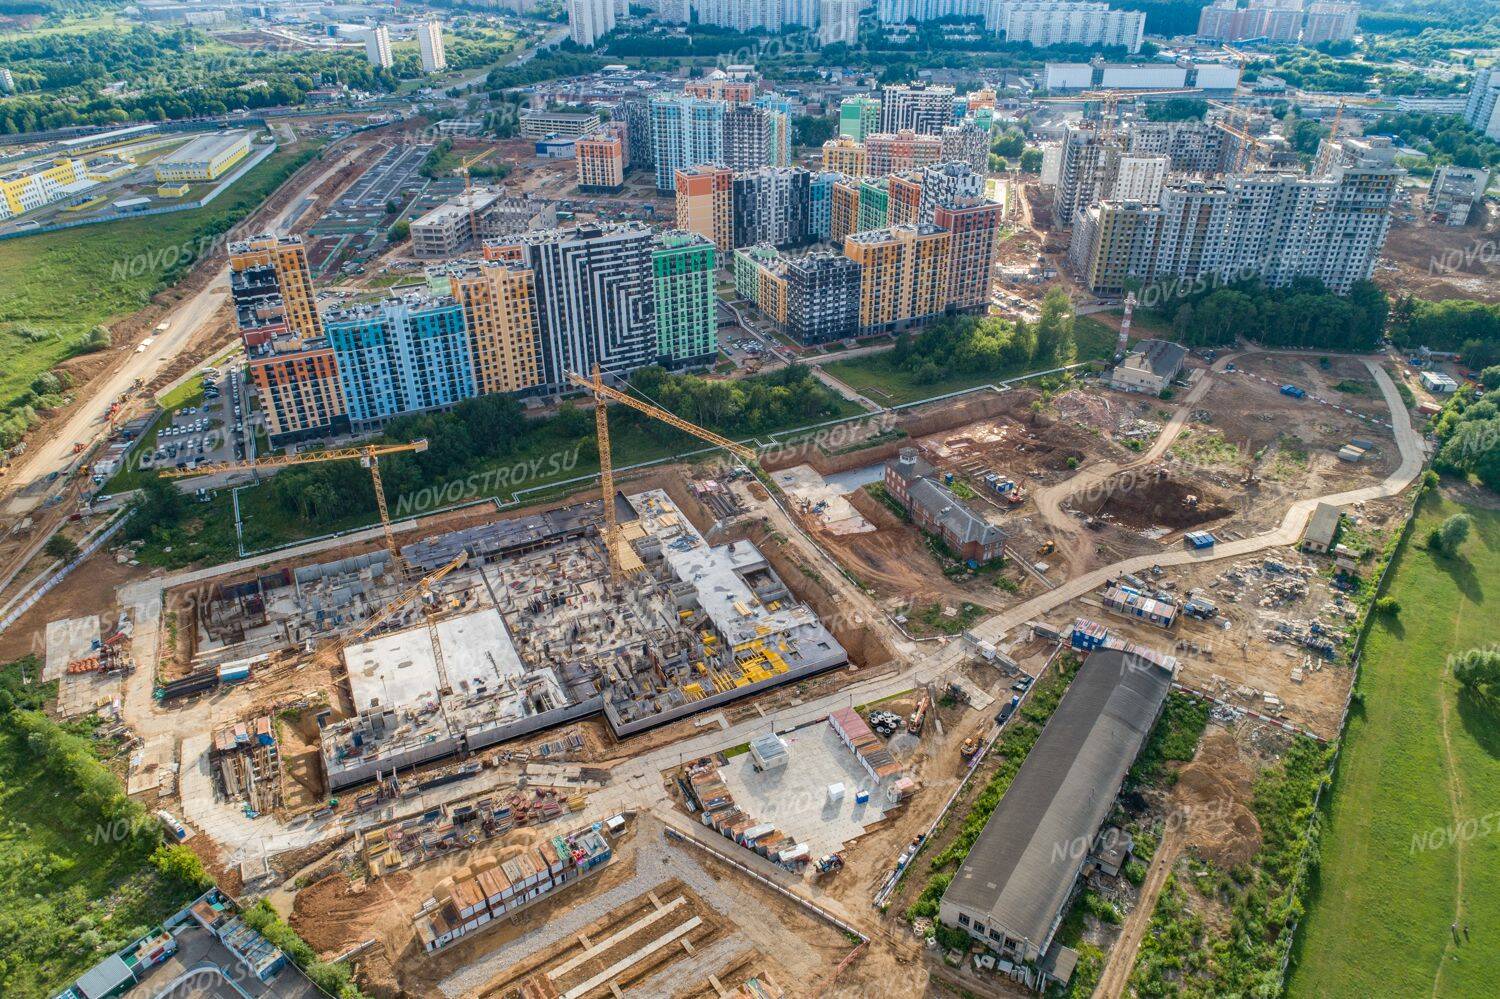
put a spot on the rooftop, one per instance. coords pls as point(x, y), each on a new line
point(1022, 868)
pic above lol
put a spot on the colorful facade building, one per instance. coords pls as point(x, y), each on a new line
point(895, 152)
point(822, 297)
point(682, 272)
point(705, 204)
point(300, 391)
point(974, 243)
point(400, 356)
point(601, 162)
point(498, 299)
point(271, 283)
point(904, 275)
point(859, 117)
point(846, 156)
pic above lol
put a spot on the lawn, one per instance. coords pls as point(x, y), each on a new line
point(1411, 841)
point(55, 287)
point(71, 882)
point(873, 376)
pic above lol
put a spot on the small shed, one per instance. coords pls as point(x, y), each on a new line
point(1322, 528)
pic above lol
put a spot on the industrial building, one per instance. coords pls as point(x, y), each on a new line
point(935, 508)
point(1014, 886)
point(204, 158)
point(542, 632)
point(449, 228)
point(543, 123)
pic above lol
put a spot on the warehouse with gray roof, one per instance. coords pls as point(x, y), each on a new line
point(1015, 884)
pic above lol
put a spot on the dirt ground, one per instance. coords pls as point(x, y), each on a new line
point(1438, 261)
point(1157, 499)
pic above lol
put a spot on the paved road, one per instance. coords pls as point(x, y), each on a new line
point(637, 784)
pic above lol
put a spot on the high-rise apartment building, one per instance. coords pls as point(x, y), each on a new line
point(822, 297)
point(378, 47)
point(270, 283)
point(705, 204)
point(594, 298)
point(820, 203)
point(430, 42)
point(902, 11)
point(1042, 24)
point(1134, 178)
point(973, 244)
point(770, 206)
point(402, 355)
point(682, 272)
point(636, 113)
point(760, 278)
point(1191, 146)
point(720, 86)
point(779, 108)
point(920, 107)
point(1482, 111)
point(893, 152)
point(859, 117)
point(904, 275)
point(903, 199)
point(747, 137)
point(1079, 160)
point(846, 156)
point(952, 184)
point(874, 210)
point(589, 21)
point(499, 305)
point(967, 143)
point(838, 22)
point(299, 389)
point(843, 209)
point(685, 131)
point(1268, 225)
point(600, 159)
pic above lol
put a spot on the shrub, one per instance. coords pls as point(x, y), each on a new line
point(1387, 607)
point(60, 546)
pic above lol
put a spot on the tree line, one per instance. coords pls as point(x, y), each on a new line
point(1304, 313)
point(1472, 329)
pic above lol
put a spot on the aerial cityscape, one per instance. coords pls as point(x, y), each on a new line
point(575, 499)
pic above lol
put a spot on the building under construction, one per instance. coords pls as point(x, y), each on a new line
point(537, 629)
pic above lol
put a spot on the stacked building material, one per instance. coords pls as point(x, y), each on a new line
point(491, 889)
point(865, 745)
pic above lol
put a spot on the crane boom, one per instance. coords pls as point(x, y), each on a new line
point(368, 454)
point(601, 390)
point(623, 558)
point(421, 588)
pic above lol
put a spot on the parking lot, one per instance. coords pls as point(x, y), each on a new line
point(220, 426)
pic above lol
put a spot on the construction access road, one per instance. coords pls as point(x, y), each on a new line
point(637, 783)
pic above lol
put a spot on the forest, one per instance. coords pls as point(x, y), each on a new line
point(1470, 328)
point(1302, 314)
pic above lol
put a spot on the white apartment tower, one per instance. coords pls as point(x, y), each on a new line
point(590, 20)
point(430, 40)
point(378, 47)
point(838, 21)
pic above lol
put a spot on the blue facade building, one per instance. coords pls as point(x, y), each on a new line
point(400, 356)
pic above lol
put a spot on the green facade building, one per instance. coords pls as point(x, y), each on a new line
point(682, 269)
point(874, 205)
point(859, 117)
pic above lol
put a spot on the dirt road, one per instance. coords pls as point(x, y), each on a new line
point(1116, 973)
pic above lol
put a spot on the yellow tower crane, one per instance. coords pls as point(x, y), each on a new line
point(469, 193)
point(622, 557)
point(369, 455)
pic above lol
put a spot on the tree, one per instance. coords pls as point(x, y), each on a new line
point(62, 547)
point(182, 866)
point(1454, 532)
point(398, 231)
point(1490, 377)
point(1477, 669)
point(1031, 161)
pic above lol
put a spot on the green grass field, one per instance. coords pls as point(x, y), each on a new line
point(873, 377)
point(57, 286)
point(71, 885)
point(1421, 764)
